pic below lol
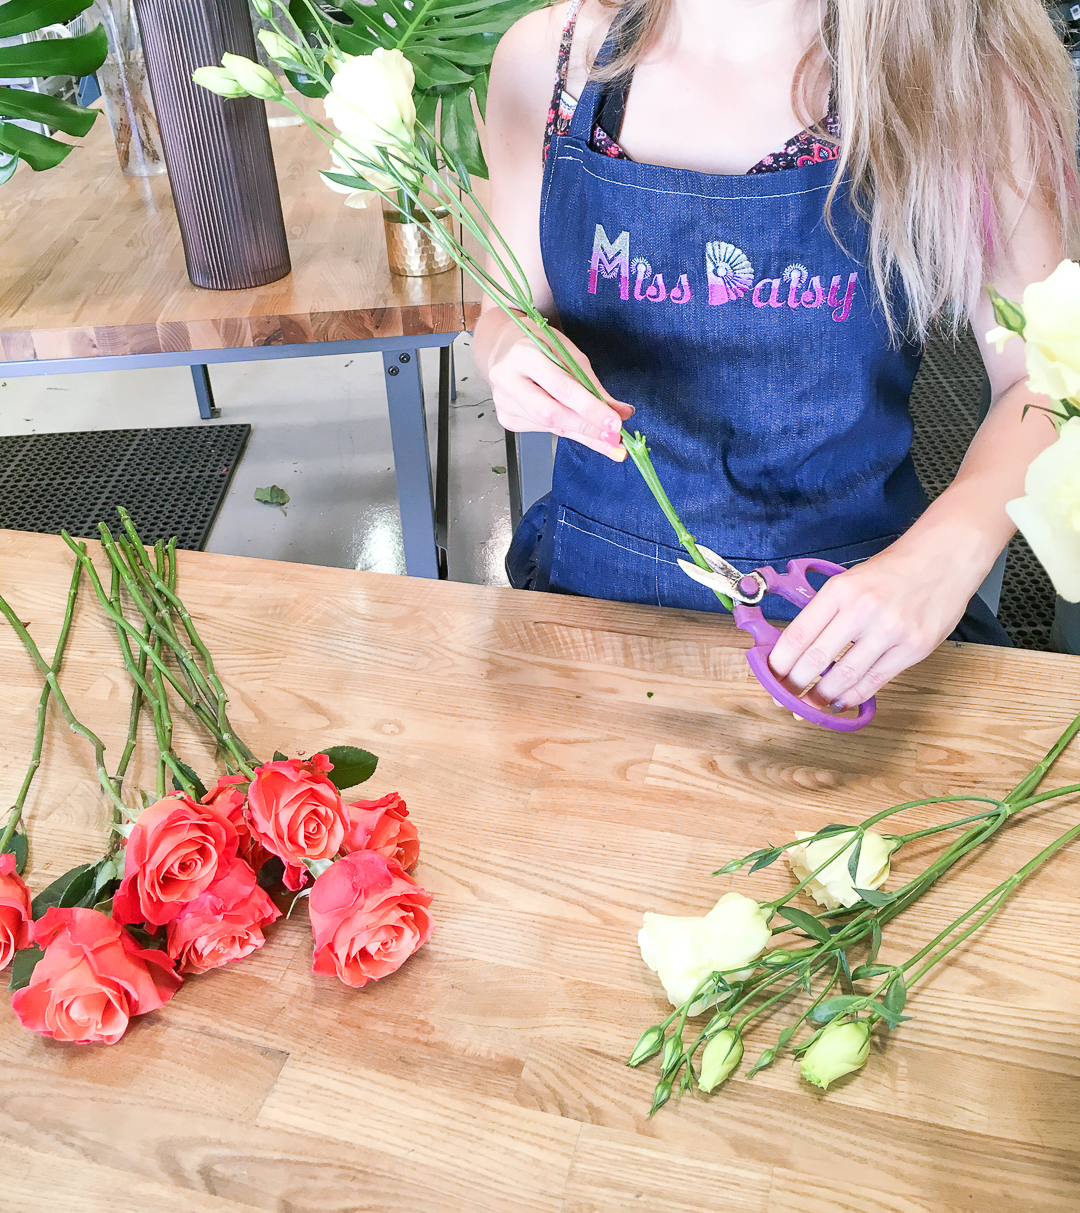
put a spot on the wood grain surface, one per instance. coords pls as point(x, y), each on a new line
point(556, 801)
point(91, 264)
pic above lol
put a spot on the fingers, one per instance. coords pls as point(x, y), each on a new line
point(531, 393)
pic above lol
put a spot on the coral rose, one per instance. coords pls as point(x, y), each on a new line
point(92, 979)
point(383, 826)
point(174, 852)
point(15, 916)
point(229, 795)
point(223, 924)
point(295, 811)
point(368, 917)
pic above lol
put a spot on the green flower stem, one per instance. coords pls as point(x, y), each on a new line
point(15, 815)
point(74, 723)
point(137, 696)
point(228, 741)
point(1032, 780)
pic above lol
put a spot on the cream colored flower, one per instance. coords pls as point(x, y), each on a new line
point(1052, 333)
point(832, 886)
point(355, 198)
point(684, 951)
point(252, 77)
point(842, 1048)
point(999, 336)
point(370, 99)
point(1049, 515)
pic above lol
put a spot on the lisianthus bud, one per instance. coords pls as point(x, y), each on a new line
point(684, 951)
point(842, 1048)
point(264, 8)
point(1049, 515)
point(651, 1042)
point(719, 1058)
point(280, 49)
point(832, 886)
point(253, 78)
point(218, 80)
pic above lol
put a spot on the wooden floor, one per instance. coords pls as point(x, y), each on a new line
point(556, 801)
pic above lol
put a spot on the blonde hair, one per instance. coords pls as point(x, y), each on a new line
point(946, 108)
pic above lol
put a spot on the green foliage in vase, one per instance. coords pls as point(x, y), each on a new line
point(449, 44)
point(48, 57)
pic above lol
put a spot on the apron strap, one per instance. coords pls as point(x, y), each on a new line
point(596, 93)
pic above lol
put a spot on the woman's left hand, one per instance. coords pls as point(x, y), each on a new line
point(891, 610)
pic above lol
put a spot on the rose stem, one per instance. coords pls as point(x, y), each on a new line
point(227, 740)
point(15, 815)
point(74, 723)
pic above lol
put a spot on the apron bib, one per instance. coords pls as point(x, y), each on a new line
point(746, 337)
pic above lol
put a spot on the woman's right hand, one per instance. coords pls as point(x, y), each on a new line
point(531, 393)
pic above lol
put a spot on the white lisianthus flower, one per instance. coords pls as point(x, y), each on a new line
point(999, 336)
point(355, 198)
point(682, 952)
point(1049, 515)
point(370, 99)
point(1052, 333)
point(832, 886)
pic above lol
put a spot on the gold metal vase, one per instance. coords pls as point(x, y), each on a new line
point(410, 247)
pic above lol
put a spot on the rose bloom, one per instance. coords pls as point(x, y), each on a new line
point(92, 979)
point(223, 924)
point(1049, 515)
point(295, 811)
point(383, 826)
point(15, 916)
point(173, 854)
point(682, 952)
point(368, 917)
point(229, 795)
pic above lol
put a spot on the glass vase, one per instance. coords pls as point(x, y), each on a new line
point(125, 93)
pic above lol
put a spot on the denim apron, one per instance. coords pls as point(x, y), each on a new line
point(747, 338)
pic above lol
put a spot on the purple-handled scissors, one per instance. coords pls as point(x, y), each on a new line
point(747, 590)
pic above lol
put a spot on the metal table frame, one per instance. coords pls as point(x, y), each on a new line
point(424, 510)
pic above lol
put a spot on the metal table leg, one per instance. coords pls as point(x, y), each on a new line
point(204, 393)
point(442, 458)
point(412, 461)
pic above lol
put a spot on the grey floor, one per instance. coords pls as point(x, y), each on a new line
point(320, 431)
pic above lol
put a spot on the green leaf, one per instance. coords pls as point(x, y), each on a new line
point(896, 998)
point(80, 56)
point(351, 766)
point(306, 85)
point(280, 757)
point(192, 778)
point(269, 875)
point(42, 107)
point(146, 940)
point(875, 897)
point(7, 169)
point(77, 878)
point(22, 966)
point(805, 922)
point(769, 857)
point(19, 846)
point(24, 16)
point(457, 130)
point(870, 970)
point(832, 1007)
point(853, 860)
point(875, 941)
point(272, 495)
point(786, 1035)
point(39, 151)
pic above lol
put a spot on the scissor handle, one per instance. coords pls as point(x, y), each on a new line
point(794, 586)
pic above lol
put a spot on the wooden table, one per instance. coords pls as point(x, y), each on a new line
point(92, 277)
point(556, 801)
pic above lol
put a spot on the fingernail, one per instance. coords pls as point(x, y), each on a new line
point(618, 453)
point(837, 705)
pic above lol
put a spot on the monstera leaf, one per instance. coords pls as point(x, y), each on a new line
point(449, 44)
point(50, 57)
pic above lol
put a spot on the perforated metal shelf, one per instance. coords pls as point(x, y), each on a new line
point(945, 408)
point(171, 480)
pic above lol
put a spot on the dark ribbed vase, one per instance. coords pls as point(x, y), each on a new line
point(221, 167)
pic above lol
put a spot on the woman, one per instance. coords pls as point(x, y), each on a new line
point(758, 301)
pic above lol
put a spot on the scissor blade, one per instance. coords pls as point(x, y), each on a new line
point(713, 581)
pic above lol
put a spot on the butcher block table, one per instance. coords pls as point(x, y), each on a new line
point(569, 764)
